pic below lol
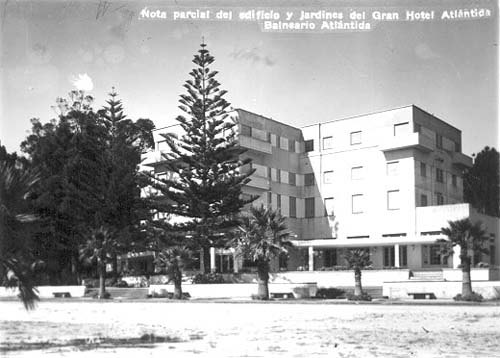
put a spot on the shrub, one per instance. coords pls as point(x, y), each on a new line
point(208, 278)
point(121, 283)
point(363, 297)
point(330, 292)
point(475, 297)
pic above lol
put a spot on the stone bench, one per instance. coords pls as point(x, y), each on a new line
point(61, 294)
point(422, 295)
point(285, 295)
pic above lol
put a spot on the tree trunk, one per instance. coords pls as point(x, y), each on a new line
point(263, 280)
point(102, 280)
point(466, 281)
point(358, 289)
point(177, 278)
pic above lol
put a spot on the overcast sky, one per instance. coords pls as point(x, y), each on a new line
point(448, 68)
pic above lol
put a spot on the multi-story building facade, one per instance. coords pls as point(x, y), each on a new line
point(387, 182)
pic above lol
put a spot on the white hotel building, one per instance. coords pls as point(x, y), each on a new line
point(386, 181)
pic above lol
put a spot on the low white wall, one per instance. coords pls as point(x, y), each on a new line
point(441, 289)
point(476, 274)
point(343, 278)
point(236, 290)
point(46, 291)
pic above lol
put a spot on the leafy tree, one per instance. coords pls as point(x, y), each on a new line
point(263, 237)
point(17, 227)
point(469, 238)
point(357, 259)
point(481, 183)
point(88, 164)
point(205, 182)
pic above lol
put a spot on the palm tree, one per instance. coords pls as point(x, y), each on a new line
point(263, 237)
point(17, 263)
point(469, 238)
point(100, 247)
point(357, 259)
point(173, 260)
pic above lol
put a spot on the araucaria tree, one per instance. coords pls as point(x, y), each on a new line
point(205, 182)
point(263, 236)
point(469, 238)
point(357, 259)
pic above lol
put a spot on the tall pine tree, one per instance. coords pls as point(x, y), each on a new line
point(205, 161)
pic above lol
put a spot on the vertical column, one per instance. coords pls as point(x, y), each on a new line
point(311, 258)
point(235, 261)
point(212, 259)
point(396, 256)
point(456, 257)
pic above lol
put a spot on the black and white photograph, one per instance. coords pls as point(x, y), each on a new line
point(187, 178)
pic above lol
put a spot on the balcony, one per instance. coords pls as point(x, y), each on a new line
point(259, 182)
point(255, 144)
point(412, 140)
point(461, 160)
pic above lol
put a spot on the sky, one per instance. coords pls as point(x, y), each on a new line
point(446, 67)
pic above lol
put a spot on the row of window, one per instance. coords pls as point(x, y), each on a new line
point(331, 256)
point(440, 174)
point(266, 136)
point(357, 204)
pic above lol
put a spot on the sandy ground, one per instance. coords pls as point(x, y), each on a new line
point(69, 328)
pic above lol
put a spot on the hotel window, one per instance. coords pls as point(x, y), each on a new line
point(269, 198)
point(423, 200)
point(309, 207)
point(355, 138)
point(439, 175)
point(403, 256)
point(268, 137)
point(278, 141)
point(278, 201)
point(291, 145)
point(439, 199)
point(389, 259)
point(357, 203)
point(292, 178)
point(454, 180)
point(328, 177)
point(393, 200)
point(269, 171)
point(327, 142)
point(329, 207)
point(330, 257)
point(439, 141)
point(246, 130)
point(401, 129)
point(458, 147)
point(278, 175)
point(356, 173)
point(423, 170)
point(392, 168)
point(293, 206)
point(309, 179)
point(309, 145)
